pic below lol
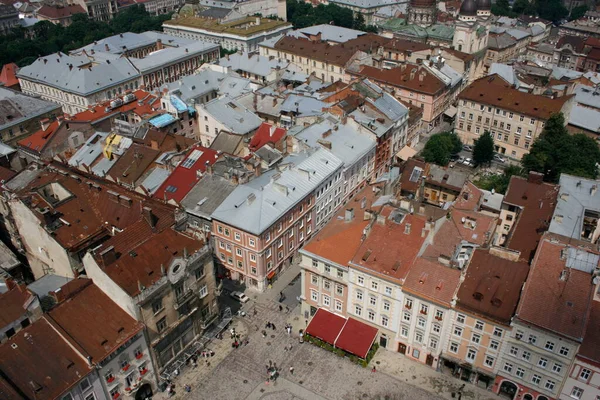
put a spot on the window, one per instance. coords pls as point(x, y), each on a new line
point(532, 121)
point(403, 331)
point(433, 343)
point(326, 300)
point(253, 257)
point(536, 379)
point(340, 273)
point(384, 320)
point(371, 315)
point(521, 118)
point(460, 319)
point(361, 280)
point(556, 368)
point(498, 332)
point(408, 303)
point(157, 306)
point(520, 372)
point(549, 346)
point(90, 396)
point(419, 337)
point(251, 242)
point(436, 328)
point(374, 285)
point(85, 384)
point(339, 290)
point(237, 236)
point(439, 315)
point(326, 284)
point(542, 362)
point(453, 347)
point(199, 273)
point(227, 232)
point(253, 270)
point(532, 339)
point(550, 384)
point(386, 306)
point(161, 325)
point(424, 309)
point(338, 305)
point(479, 325)
point(406, 316)
point(489, 361)
point(513, 350)
point(564, 351)
point(576, 392)
point(494, 345)
point(471, 354)
point(585, 374)
point(526, 355)
point(314, 279)
point(518, 335)
point(508, 367)
point(238, 252)
point(328, 268)
point(357, 310)
point(421, 322)
point(458, 331)
point(388, 290)
point(280, 243)
point(314, 296)
point(476, 338)
point(359, 295)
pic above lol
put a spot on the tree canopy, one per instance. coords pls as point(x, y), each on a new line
point(23, 47)
point(552, 10)
point(557, 152)
point(483, 150)
point(498, 182)
point(440, 147)
point(302, 14)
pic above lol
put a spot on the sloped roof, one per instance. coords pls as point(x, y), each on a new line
point(266, 133)
point(8, 75)
point(406, 76)
point(234, 116)
point(55, 12)
point(13, 304)
point(432, 281)
point(207, 195)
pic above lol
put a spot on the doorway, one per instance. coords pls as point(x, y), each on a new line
point(383, 341)
point(429, 360)
point(144, 392)
point(401, 348)
point(508, 390)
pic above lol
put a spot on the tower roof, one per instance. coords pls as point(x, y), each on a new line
point(484, 5)
point(468, 7)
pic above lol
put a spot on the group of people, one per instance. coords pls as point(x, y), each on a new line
point(268, 325)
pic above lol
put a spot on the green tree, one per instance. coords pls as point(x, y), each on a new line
point(578, 12)
point(502, 7)
point(483, 150)
point(552, 10)
point(523, 7)
point(557, 152)
point(498, 182)
point(440, 147)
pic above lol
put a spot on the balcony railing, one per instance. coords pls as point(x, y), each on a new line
point(207, 320)
point(184, 298)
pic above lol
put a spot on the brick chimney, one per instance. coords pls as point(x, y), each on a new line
point(149, 216)
point(159, 44)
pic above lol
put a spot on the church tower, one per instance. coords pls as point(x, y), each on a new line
point(422, 12)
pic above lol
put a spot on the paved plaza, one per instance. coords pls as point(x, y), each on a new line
point(318, 374)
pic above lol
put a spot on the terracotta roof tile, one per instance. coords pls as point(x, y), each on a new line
point(407, 173)
point(39, 139)
point(492, 286)
point(409, 76)
point(13, 304)
point(569, 298)
point(94, 321)
point(469, 199)
point(8, 75)
point(265, 134)
point(432, 281)
point(496, 92)
point(147, 108)
point(132, 164)
point(55, 12)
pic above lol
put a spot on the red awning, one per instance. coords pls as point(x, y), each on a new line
point(356, 338)
point(325, 325)
point(347, 334)
point(271, 274)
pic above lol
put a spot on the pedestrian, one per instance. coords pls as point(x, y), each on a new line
point(290, 348)
point(270, 363)
point(254, 312)
point(280, 308)
point(273, 326)
point(292, 370)
point(287, 309)
point(374, 369)
point(264, 333)
point(187, 388)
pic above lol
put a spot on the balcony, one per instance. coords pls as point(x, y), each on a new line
point(184, 298)
point(208, 319)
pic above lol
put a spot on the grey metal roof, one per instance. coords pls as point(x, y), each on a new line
point(576, 196)
point(6, 149)
point(455, 178)
point(215, 12)
point(207, 195)
point(168, 55)
point(367, 3)
point(89, 151)
point(192, 87)
point(347, 143)
point(492, 200)
point(587, 95)
point(154, 179)
point(518, 33)
point(102, 167)
point(16, 108)
point(252, 63)
point(226, 142)
point(559, 73)
point(23, 178)
point(86, 76)
point(233, 115)
point(216, 3)
point(303, 106)
point(260, 203)
point(507, 72)
point(501, 41)
point(586, 118)
point(329, 33)
point(48, 283)
point(269, 154)
point(127, 41)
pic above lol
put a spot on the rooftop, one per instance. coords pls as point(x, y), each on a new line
point(577, 211)
point(449, 178)
point(206, 196)
point(328, 33)
point(392, 244)
point(14, 303)
point(47, 283)
point(253, 63)
point(590, 348)
point(339, 240)
point(132, 164)
point(367, 3)
point(8, 75)
point(409, 76)
point(56, 12)
point(266, 133)
point(143, 105)
point(432, 281)
point(235, 117)
point(258, 204)
point(94, 322)
point(413, 172)
point(537, 200)
point(57, 365)
point(241, 27)
point(129, 41)
point(492, 286)
point(495, 91)
point(16, 108)
point(568, 292)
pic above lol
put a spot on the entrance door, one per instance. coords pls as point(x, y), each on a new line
point(508, 390)
point(401, 348)
point(429, 360)
point(383, 341)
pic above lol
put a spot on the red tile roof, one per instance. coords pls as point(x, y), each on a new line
point(93, 321)
point(13, 304)
point(432, 281)
point(101, 111)
point(569, 299)
point(339, 240)
point(409, 76)
point(8, 75)
point(58, 367)
point(492, 286)
point(325, 325)
point(469, 199)
point(265, 134)
point(6, 174)
point(132, 164)
point(56, 12)
point(537, 200)
point(187, 174)
point(390, 248)
point(39, 139)
point(590, 348)
point(356, 337)
point(407, 169)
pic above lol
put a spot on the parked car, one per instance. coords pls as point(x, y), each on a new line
point(461, 160)
point(499, 158)
point(454, 157)
point(467, 161)
point(467, 148)
point(239, 296)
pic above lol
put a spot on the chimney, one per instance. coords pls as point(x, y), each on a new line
point(45, 123)
point(106, 47)
point(349, 215)
point(208, 168)
point(258, 170)
point(421, 76)
point(108, 256)
point(70, 67)
point(149, 217)
point(535, 177)
point(257, 21)
point(274, 101)
point(344, 120)
point(159, 44)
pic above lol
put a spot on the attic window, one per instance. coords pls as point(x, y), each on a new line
point(367, 255)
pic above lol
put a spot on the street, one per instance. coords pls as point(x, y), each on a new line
point(318, 374)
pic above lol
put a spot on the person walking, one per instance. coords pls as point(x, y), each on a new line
point(280, 308)
point(292, 370)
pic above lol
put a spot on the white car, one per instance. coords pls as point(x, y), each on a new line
point(499, 158)
point(467, 161)
point(239, 296)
